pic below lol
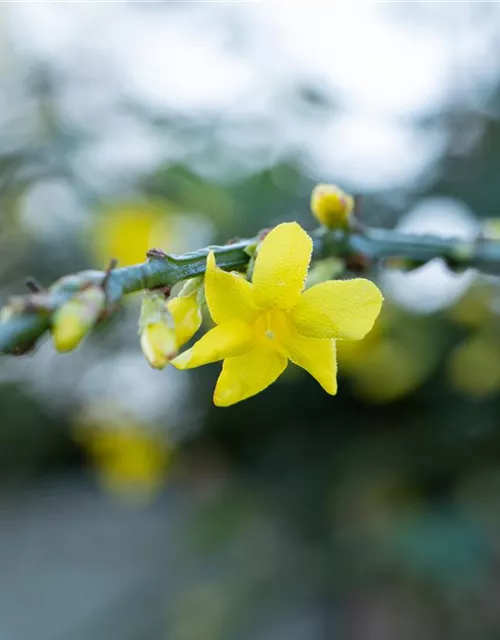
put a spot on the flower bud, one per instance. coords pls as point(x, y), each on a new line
point(158, 344)
point(186, 310)
point(74, 318)
point(331, 206)
point(157, 331)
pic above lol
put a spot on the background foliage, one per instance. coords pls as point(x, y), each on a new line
point(130, 506)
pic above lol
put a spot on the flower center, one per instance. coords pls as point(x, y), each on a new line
point(271, 328)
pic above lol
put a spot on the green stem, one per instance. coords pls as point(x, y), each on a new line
point(157, 272)
point(20, 332)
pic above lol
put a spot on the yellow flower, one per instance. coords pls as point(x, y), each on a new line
point(331, 206)
point(74, 319)
point(263, 324)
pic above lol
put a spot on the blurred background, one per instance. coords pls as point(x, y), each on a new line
point(130, 507)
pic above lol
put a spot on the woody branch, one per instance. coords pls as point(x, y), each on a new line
point(360, 246)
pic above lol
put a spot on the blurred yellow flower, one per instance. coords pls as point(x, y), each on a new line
point(390, 371)
point(130, 459)
point(126, 231)
point(263, 324)
point(390, 362)
point(474, 308)
point(331, 206)
point(474, 366)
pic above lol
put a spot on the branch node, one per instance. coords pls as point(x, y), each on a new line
point(33, 285)
point(112, 265)
point(164, 289)
point(357, 263)
point(156, 254)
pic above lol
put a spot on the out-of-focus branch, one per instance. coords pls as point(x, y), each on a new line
point(360, 246)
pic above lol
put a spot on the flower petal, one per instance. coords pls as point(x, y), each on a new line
point(345, 309)
point(281, 266)
point(225, 340)
point(318, 357)
point(228, 295)
point(247, 374)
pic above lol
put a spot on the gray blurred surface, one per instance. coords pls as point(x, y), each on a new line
point(76, 565)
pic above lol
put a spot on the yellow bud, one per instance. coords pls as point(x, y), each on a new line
point(159, 344)
point(164, 327)
point(331, 206)
point(157, 331)
point(187, 316)
point(74, 319)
